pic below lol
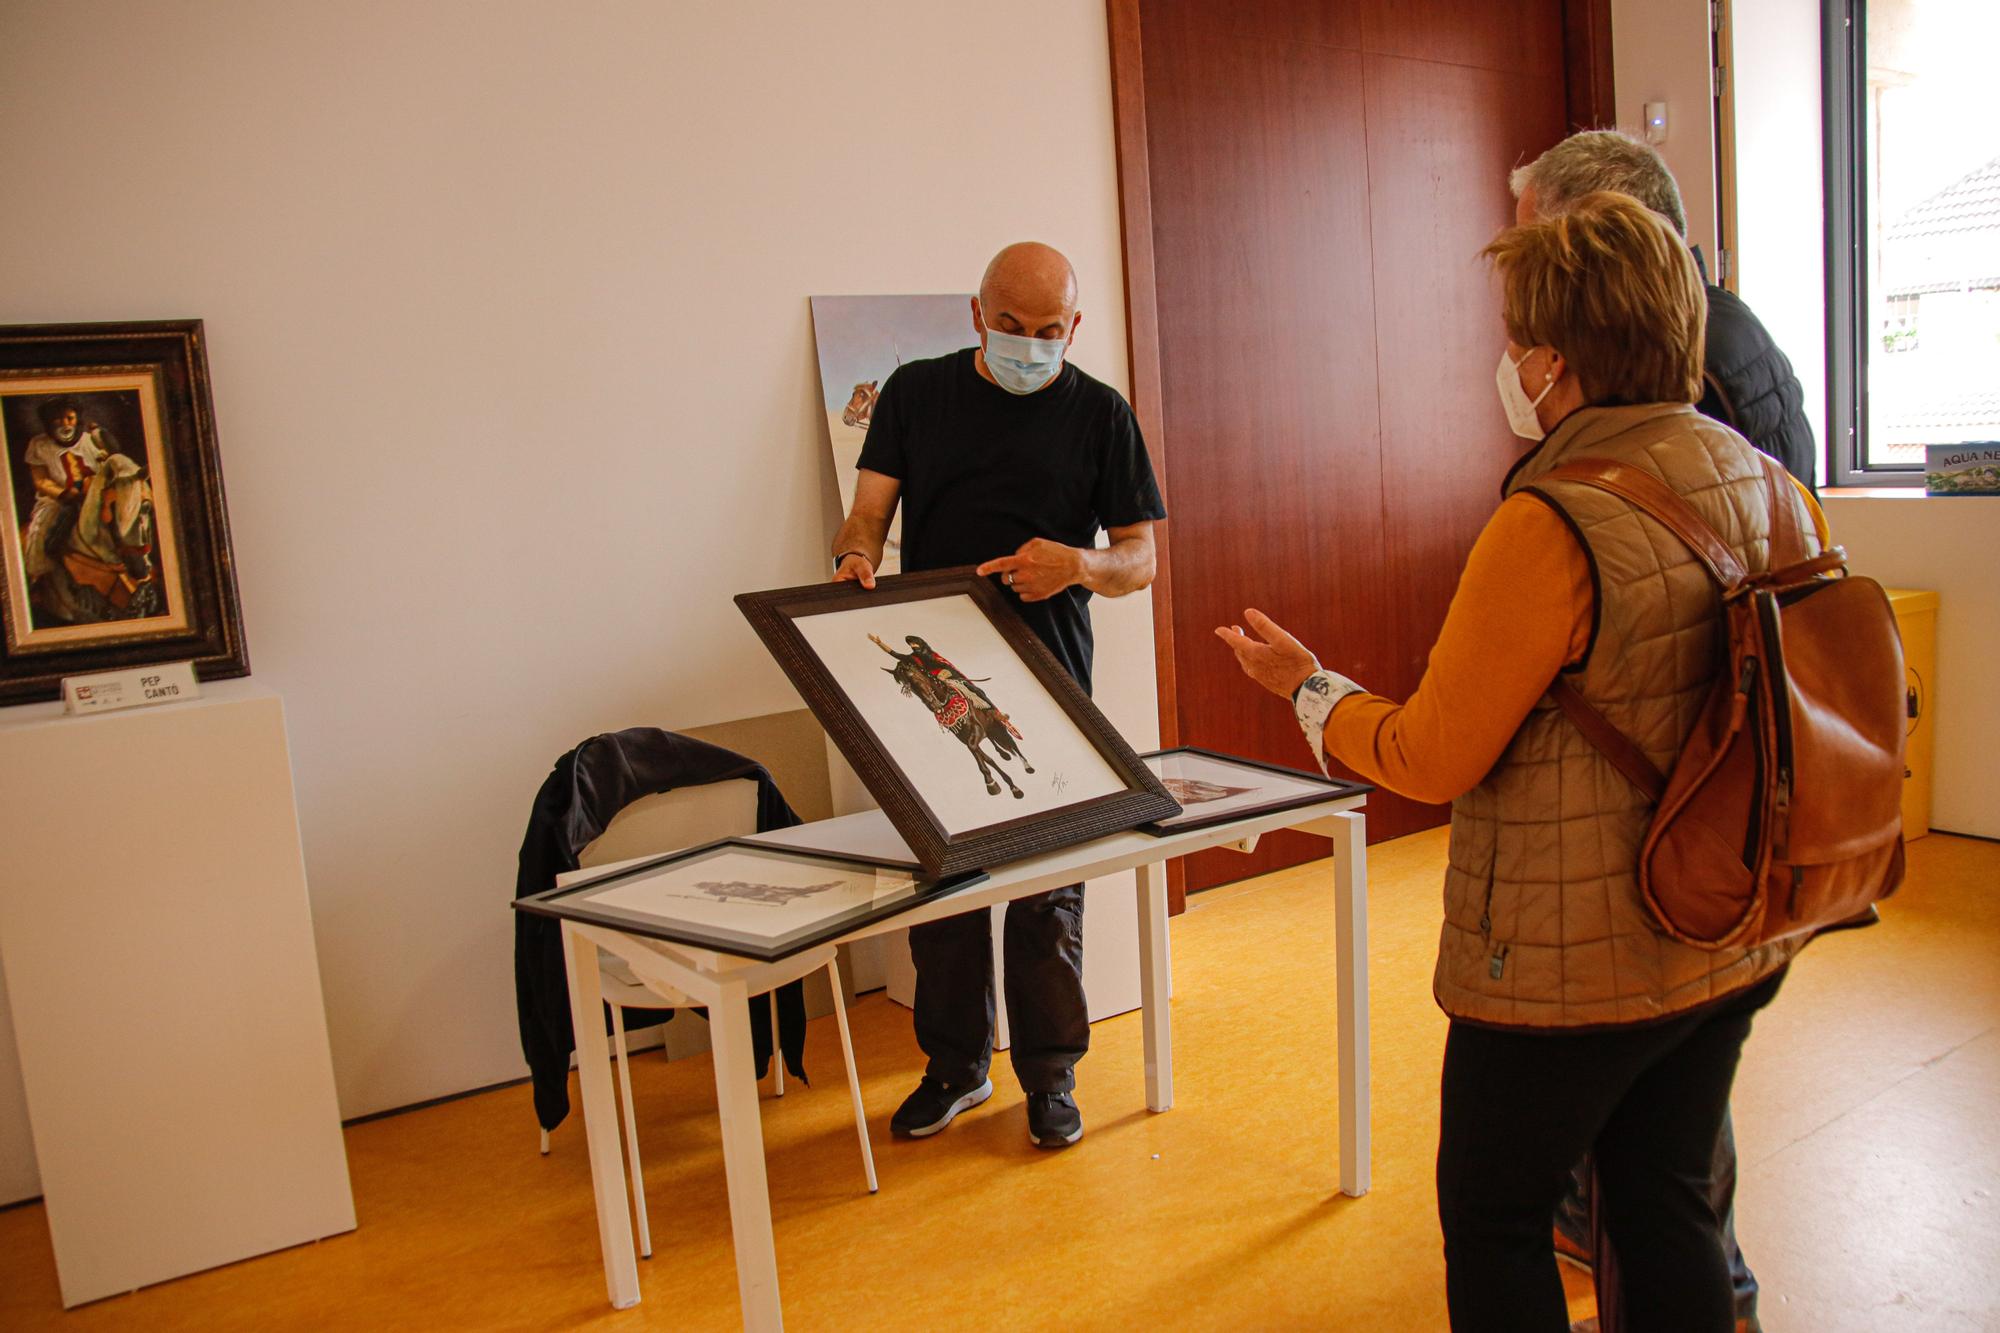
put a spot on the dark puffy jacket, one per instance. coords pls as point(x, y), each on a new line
point(1751, 387)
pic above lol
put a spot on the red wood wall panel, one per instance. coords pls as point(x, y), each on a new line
point(1442, 139)
point(1267, 360)
point(1322, 176)
point(1524, 35)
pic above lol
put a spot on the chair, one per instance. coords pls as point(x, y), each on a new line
point(666, 822)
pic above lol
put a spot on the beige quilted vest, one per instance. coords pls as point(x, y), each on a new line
point(1543, 923)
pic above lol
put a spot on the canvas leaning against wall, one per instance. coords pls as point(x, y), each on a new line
point(861, 341)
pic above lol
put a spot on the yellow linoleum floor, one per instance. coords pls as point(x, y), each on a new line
point(1868, 1114)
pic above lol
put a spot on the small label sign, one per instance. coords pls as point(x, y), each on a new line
point(134, 688)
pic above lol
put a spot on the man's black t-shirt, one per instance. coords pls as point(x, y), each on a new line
point(984, 471)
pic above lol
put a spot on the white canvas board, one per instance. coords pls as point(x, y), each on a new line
point(861, 341)
point(211, 1132)
point(1207, 787)
point(1067, 767)
point(751, 896)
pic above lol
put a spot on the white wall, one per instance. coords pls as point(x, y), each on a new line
point(1951, 544)
point(513, 366)
point(1660, 52)
point(1781, 250)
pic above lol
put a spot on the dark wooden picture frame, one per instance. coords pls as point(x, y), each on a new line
point(1331, 789)
point(571, 902)
point(773, 615)
point(137, 392)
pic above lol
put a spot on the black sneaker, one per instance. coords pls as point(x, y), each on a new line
point(934, 1105)
point(1053, 1120)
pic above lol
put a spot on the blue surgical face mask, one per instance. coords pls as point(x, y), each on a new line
point(1023, 365)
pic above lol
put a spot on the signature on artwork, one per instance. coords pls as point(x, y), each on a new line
point(1058, 784)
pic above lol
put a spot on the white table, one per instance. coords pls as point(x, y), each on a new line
point(724, 982)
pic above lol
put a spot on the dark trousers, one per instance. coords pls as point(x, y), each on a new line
point(1048, 1019)
point(1519, 1109)
point(1611, 1311)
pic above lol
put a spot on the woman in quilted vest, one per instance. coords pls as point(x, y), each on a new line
point(1575, 1025)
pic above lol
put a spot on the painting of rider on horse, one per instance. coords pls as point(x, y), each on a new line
point(961, 708)
point(83, 506)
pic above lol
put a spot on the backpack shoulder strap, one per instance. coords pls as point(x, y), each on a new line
point(1612, 743)
point(1788, 542)
point(1660, 501)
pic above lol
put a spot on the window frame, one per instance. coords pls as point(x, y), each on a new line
point(1844, 137)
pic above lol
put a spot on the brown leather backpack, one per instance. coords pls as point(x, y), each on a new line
point(1783, 815)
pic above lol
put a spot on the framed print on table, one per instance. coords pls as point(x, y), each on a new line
point(979, 747)
point(753, 900)
point(1215, 788)
point(115, 546)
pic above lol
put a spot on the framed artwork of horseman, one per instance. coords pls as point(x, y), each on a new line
point(115, 546)
point(976, 742)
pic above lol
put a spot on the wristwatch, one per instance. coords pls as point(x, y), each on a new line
point(1312, 704)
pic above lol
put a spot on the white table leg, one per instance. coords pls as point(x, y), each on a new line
point(1350, 893)
point(777, 1049)
point(853, 1074)
point(743, 1160)
point(634, 1172)
point(1155, 985)
point(600, 1118)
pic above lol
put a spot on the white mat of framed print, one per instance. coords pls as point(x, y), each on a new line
point(1215, 788)
point(1028, 759)
point(861, 341)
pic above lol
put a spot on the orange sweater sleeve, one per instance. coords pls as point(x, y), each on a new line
point(1522, 612)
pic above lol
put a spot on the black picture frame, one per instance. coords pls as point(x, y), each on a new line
point(773, 615)
point(151, 379)
point(571, 902)
point(1192, 821)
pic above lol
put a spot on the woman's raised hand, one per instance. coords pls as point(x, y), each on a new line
point(1277, 661)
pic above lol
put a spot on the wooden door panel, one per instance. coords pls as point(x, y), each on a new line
point(1441, 140)
point(1336, 23)
point(1320, 178)
point(1519, 35)
point(1268, 374)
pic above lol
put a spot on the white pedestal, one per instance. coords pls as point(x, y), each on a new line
point(155, 890)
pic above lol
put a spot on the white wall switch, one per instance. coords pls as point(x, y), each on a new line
point(1656, 122)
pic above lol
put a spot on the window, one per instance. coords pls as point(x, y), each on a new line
point(1913, 233)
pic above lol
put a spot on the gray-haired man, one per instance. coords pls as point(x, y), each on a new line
point(1750, 384)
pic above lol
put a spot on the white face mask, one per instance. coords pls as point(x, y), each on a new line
point(1520, 408)
point(1023, 365)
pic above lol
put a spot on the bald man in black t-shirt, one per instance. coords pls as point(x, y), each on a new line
point(1007, 457)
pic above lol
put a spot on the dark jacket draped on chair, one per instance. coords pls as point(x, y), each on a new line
point(589, 786)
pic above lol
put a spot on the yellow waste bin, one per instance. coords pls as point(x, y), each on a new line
point(1916, 617)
